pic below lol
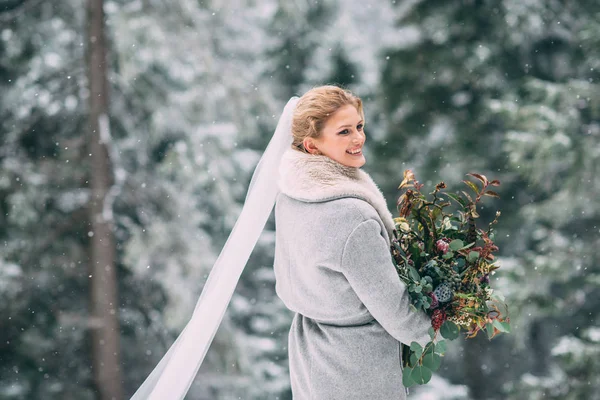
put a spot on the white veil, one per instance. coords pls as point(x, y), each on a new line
point(173, 376)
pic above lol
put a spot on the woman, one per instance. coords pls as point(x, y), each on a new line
point(332, 262)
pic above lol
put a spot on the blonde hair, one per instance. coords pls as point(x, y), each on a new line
point(315, 107)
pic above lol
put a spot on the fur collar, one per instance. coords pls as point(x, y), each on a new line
point(313, 179)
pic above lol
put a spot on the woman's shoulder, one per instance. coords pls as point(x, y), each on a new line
point(357, 207)
point(351, 210)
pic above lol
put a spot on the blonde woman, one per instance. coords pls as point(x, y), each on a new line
point(332, 261)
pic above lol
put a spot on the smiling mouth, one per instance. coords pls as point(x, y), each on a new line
point(355, 152)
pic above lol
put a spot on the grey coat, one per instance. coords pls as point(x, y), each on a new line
point(333, 268)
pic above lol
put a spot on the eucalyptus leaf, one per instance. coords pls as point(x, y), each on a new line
point(421, 375)
point(440, 347)
point(432, 361)
point(473, 256)
point(416, 347)
point(498, 325)
point(415, 375)
point(414, 275)
point(468, 246)
point(429, 348)
point(456, 244)
point(426, 302)
point(413, 360)
point(449, 330)
point(448, 255)
point(407, 380)
point(426, 373)
point(490, 330)
point(431, 332)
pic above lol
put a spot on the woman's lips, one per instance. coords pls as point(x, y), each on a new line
point(355, 154)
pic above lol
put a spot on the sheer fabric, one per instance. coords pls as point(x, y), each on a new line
point(174, 374)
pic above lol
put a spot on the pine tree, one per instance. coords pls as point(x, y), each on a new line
point(44, 230)
point(507, 89)
point(552, 140)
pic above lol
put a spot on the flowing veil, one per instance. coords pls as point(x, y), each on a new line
point(174, 374)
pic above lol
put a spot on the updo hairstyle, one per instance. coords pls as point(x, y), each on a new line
point(315, 107)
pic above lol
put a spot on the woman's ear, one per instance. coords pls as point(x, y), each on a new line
point(310, 146)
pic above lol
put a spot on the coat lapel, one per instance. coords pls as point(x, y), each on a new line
point(316, 178)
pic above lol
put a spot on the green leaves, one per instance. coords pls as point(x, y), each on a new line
point(472, 186)
point(414, 275)
point(431, 332)
point(416, 288)
point(432, 361)
point(421, 375)
point(449, 330)
point(417, 349)
point(407, 380)
point(423, 362)
point(440, 347)
point(496, 325)
point(490, 330)
point(431, 224)
point(473, 256)
point(501, 326)
point(456, 244)
point(457, 199)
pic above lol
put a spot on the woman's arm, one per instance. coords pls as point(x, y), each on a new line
point(367, 264)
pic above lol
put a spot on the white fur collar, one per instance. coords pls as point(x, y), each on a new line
point(316, 178)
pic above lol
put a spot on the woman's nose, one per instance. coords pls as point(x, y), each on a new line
point(359, 137)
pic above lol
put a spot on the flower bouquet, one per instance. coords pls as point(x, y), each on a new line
point(446, 261)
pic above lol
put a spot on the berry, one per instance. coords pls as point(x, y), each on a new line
point(437, 318)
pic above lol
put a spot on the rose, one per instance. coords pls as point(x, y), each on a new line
point(442, 246)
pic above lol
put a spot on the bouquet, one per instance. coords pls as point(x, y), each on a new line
point(446, 262)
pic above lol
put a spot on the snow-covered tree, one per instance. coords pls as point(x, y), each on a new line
point(509, 89)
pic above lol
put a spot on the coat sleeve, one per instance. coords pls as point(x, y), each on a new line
point(367, 265)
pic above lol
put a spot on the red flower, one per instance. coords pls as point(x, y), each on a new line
point(442, 246)
point(434, 300)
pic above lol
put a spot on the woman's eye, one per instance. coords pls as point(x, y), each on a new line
point(360, 127)
point(344, 132)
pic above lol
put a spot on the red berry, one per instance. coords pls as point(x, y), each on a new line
point(438, 318)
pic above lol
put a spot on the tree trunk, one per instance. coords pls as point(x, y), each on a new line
point(103, 301)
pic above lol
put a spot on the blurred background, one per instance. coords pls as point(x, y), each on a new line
point(129, 131)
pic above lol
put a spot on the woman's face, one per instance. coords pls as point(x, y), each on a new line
point(342, 138)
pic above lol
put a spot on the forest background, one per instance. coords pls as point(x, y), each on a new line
point(129, 131)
